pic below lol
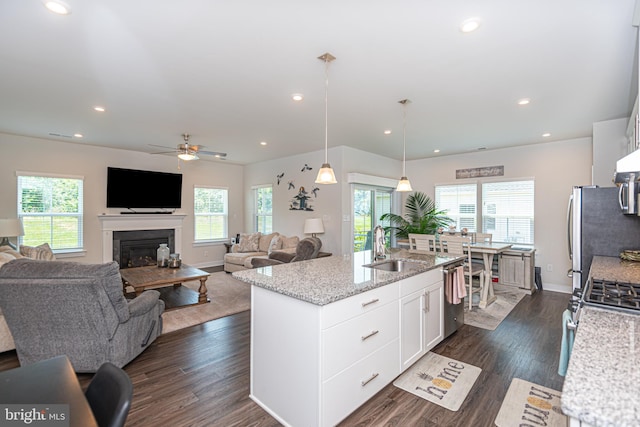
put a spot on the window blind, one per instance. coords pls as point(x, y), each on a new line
point(508, 211)
point(459, 201)
point(211, 213)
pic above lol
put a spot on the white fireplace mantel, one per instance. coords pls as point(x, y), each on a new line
point(111, 223)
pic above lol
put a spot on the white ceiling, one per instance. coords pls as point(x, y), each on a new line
point(224, 71)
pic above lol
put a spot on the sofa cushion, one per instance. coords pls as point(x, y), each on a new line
point(290, 242)
point(238, 258)
point(282, 256)
point(9, 250)
point(5, 258)
point(265, 242)
point(40, 252)
point(249, 242)
point(308, 248)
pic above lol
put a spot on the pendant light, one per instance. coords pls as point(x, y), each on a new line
point(325, 174)
point(404, 184)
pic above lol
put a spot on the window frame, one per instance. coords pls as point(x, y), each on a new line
point(224, 215)
point(78, 248)
point(480, 207)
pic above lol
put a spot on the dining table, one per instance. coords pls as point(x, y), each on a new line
point(487, 250)
point(47, 392)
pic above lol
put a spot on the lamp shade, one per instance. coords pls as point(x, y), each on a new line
point(11, 228)
point(313, 226)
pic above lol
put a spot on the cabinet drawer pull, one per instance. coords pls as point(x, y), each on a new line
point(373, 377)
point(370, 335)
point(426, 301)
point(373, 301)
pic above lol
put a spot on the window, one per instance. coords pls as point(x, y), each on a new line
point(263, 211)
point(507, 208)
point(507, 211)
point(211, 213)
point(51, 210)
point(459, 201)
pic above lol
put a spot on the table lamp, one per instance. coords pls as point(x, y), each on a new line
point(313, 226)
point(10, 228)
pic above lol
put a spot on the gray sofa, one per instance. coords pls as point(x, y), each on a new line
point(307, 248)
point(54, 308)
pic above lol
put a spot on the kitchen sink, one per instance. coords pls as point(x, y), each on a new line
point(396, 265)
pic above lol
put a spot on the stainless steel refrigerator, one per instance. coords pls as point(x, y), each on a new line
point(596, 225)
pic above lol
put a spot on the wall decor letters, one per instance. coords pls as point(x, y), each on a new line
point(480, 172)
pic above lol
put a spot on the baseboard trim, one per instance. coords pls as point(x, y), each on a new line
point(554, 287)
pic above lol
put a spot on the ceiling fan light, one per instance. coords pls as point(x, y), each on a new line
point(57, 6)
point(326, 175)
point(404, 185)
point(188, 156)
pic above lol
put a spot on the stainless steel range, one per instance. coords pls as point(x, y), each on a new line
point(608, 294)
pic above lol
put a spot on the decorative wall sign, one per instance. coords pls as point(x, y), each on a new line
point(480, 172)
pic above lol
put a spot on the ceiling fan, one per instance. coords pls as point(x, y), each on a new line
point(189, 152)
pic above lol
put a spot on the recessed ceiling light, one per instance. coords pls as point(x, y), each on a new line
point(263, 143)
point(297, 97)
point(387, 132)
point(546, 135)
point(78, 135)
point(57, 6)
point(524, 101)
point(99, 109)
point(469, 25)
point(437, 150)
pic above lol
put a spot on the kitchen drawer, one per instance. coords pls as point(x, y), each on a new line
point(350, 341)
point(419, 281)
point(345, 392)
point(347, 308)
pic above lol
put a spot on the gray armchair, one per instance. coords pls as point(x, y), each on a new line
point(307, 248)
point(79, 310)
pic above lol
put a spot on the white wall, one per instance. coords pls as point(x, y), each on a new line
point(609, 145)
point(556, 168)
point(333, 201)
point(39, 155)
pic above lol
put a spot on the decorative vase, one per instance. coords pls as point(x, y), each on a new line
point(163, 255)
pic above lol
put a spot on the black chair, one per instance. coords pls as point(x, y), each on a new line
point(109, 394)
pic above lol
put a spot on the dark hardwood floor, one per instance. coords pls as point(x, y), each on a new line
point(199, 376)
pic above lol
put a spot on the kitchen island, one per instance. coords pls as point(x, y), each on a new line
point(602, 384)
point(329, 333)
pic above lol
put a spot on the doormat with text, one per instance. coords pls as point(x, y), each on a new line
point(531, 404)
point(438, 379)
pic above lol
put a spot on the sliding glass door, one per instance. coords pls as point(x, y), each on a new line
point(369, 204)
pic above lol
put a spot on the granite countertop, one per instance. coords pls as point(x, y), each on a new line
point(602, 384)
point(322, 281)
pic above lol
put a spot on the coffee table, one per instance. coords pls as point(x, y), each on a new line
point(152, 277)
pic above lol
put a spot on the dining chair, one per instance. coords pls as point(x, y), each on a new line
point(458, 245)
point(423, 242)
point(484, 237)
point(109, 395)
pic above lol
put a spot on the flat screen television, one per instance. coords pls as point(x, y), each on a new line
point(131, 189)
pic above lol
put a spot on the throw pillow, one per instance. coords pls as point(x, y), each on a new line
point(41, 252)
point(249, 242)
point(290, 242)
point(9, 250)
point(276, 243)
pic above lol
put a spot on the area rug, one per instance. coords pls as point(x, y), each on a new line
point(438, 379)
point(228, 296)
point(507, 298)
point(530, 404)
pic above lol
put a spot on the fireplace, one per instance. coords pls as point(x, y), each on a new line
point(111, 225)
point(137, 248)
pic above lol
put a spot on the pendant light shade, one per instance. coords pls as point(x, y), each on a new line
point(404, 184)
point(325, 174)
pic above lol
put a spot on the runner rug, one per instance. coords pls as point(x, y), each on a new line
point(438, 379)
point(507, 297)
point(531, 405)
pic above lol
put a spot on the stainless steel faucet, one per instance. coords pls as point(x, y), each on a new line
point(379, 242)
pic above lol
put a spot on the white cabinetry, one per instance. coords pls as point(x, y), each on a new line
point(421, 315)
point(313, 365)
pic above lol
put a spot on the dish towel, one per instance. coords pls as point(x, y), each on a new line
point(567, 343)
point(454, 288)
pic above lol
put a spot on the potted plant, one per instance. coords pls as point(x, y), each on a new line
point(420, 217)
